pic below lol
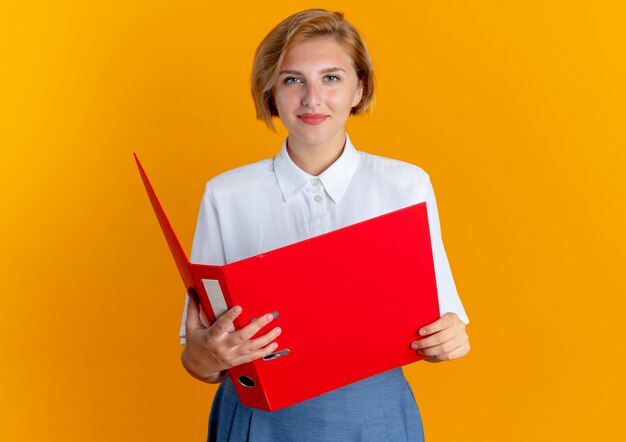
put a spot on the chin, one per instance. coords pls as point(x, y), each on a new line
point(315, 135)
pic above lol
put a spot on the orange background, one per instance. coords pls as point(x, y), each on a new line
point(516, 110)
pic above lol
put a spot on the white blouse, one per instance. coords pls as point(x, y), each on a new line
point(272, 203)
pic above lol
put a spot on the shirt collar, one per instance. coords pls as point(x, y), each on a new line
point(335, 179)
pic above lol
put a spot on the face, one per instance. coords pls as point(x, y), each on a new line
point(316, 89)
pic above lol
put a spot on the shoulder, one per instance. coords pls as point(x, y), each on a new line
point(394, 171)
point(242, 179)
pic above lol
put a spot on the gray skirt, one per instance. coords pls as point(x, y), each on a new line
point(381, 408)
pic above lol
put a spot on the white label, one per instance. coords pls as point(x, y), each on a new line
point(216, 298)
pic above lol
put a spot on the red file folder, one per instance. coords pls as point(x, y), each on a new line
point(349, 301)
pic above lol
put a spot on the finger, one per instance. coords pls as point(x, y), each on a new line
point(446, 321)
point(458, 352)
point(445, 348)
point(261, 353)
point(260, 342)
point(435, 339)
point(225, 322)
point(245, 333)
point(438, 350)
point(192, 322)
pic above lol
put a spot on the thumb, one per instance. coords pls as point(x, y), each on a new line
point(192, 322)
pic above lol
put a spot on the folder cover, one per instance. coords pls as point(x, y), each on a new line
point(350, 303)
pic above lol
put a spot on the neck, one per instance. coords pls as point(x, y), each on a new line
point(315, 158)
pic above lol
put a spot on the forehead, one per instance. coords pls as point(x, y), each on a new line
point(318, 52)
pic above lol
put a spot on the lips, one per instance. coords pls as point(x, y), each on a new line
point(313, 119)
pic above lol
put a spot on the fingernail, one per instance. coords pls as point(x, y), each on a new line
point(236, 309)
point(423, 332)
point(274, 345)
point(277, 331)
point(414, 346)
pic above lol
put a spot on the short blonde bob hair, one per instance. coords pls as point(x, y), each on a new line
point(299, 27)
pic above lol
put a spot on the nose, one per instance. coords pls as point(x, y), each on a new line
point(312, 95)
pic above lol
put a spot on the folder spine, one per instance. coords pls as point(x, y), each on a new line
point(251, 394)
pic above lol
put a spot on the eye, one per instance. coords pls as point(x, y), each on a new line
point(291, 80)
point(332, 78)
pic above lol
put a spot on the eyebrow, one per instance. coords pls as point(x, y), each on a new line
point(323, 71)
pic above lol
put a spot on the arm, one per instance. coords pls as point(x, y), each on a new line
point(445, 338)
point(210, 351)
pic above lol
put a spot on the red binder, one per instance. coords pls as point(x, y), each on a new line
point(349, 301)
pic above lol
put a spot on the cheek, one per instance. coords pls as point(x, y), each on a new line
point(340, 100)
point(284, 99)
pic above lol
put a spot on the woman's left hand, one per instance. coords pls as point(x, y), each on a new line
point(443, 340)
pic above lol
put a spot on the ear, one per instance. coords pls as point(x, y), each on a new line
point(358, 95)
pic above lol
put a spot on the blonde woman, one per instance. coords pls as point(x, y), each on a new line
point(312, 71)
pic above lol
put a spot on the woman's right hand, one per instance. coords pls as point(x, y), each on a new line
point(210, 351)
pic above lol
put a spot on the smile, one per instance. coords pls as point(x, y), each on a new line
point(312, 119)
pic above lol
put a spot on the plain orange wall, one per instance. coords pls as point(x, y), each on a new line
point(516, 110)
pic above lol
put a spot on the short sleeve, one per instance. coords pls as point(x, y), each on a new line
point(449, 300)
point(207, 246)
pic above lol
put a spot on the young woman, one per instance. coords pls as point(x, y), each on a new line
point(312, 71)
